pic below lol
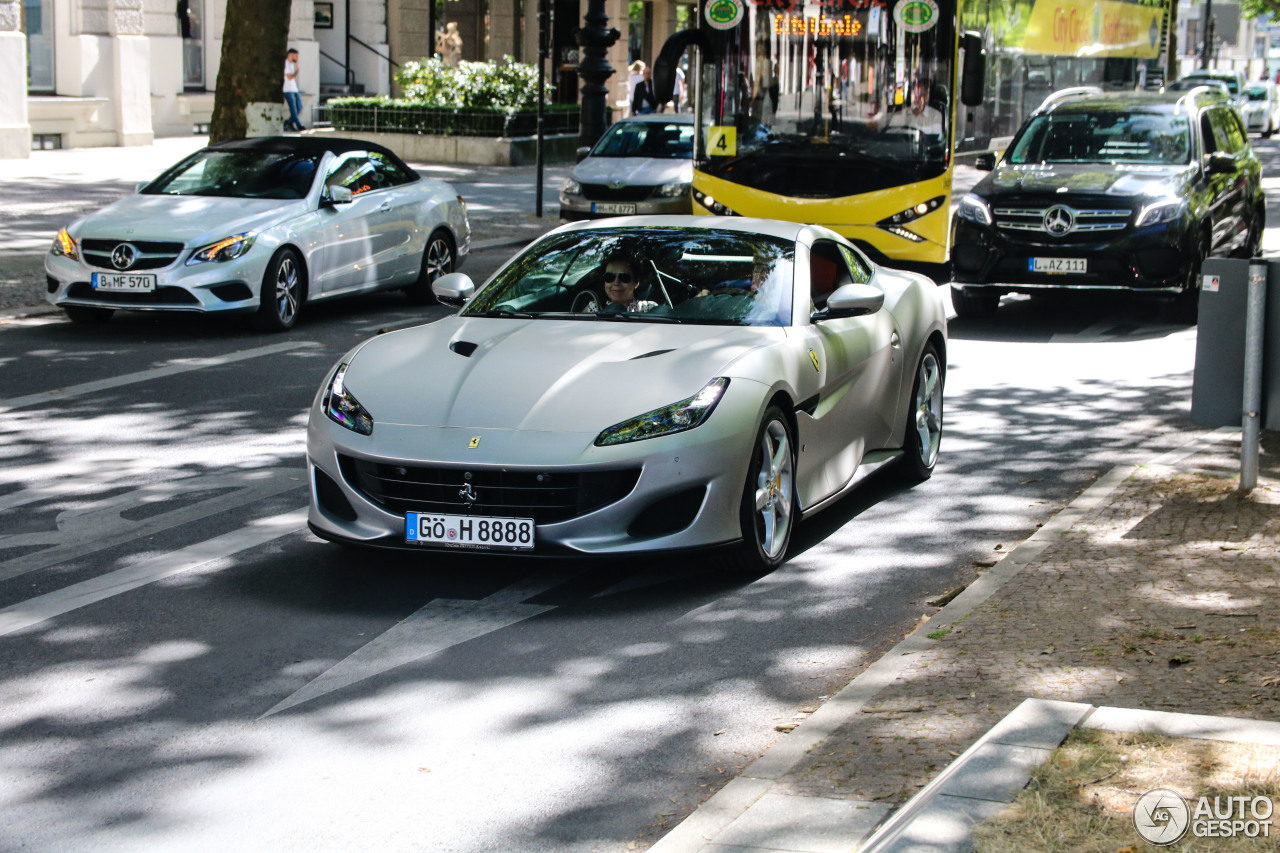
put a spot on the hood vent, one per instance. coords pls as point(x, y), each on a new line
point(464, 348)
point(650, 354)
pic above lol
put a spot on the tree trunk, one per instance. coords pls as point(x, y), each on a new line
point(252, 71)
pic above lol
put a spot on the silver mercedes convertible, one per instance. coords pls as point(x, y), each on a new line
point(639, 384)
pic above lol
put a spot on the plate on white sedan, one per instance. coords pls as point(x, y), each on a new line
point(1063, 265)
point(124, 282)
point(468, 531)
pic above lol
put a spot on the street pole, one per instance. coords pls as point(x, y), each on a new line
point(1207, 42)
point(595, 39)
point(542, 85)
point(1251, 425)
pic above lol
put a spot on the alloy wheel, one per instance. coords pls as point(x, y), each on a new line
point(775, 486)
point(928, 408)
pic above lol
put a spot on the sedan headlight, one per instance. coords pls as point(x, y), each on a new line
point(571, 187)
point(677, 417)
point(675, 189)
point(1167, 210)
point(65, 246)
point(975, 209)
point(341, 406)
point(223, 250)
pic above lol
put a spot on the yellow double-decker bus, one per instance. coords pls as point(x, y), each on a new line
point(849, 113)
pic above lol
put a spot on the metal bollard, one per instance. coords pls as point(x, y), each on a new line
point(1251, 426)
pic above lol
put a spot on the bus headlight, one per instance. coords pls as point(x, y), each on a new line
point(712, 205)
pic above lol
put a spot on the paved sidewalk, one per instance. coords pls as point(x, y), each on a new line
point(1157, 589)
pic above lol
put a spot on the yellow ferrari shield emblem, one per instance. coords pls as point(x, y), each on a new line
point(813, 356)
point(474, 442)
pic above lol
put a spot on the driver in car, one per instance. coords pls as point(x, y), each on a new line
point(620, 282)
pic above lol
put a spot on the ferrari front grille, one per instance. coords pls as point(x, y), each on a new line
point(545, 496)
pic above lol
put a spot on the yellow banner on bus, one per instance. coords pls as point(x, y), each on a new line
point(1093, 28)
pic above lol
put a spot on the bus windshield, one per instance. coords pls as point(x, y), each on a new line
point(833, 99)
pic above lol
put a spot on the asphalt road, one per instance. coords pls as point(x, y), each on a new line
point(184, 666)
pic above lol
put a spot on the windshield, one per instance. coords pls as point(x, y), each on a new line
point(658, 140)
point(1191, 81)
point(831, 100)
point(1256, 93)
point(239, 174)
point(646, 274)
point(1104, 137)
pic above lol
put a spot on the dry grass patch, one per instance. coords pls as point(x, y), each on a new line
point(1081, 800)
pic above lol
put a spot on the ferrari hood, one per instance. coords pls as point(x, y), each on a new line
point(185, 218)
point(550, 375)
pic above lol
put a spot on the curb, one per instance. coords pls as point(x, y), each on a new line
point(734, 799)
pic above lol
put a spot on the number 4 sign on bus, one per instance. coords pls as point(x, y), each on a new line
point(722, 140)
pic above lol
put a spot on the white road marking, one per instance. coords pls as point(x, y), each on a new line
point(43, 607)
point(180, 366)
point(431, 629)
point(100, 525)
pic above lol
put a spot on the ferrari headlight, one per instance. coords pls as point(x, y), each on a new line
point(223, 250)
point(571, 187)
point(677, 417)
point(341, 406)
point(65, 246)
point(975, 209)
point(675, 189)
point(1166, 210)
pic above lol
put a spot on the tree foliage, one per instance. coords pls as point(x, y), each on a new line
point(507, 84)
point(254, 41)
point(1258, 8)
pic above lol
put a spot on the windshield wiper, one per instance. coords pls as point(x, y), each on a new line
point(618, 316)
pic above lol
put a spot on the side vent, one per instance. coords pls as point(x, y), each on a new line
point(464, 348)
point(651, 354)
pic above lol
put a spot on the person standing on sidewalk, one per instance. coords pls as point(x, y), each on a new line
point(291, 96)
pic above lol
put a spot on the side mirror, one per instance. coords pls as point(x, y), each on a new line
point(583, 152)
point(851, 300)
point(973, 79)
point(335, 196)
point(1221, 163)
point(985, 162)
point(453, 288)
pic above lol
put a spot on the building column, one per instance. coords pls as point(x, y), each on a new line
point(131, 67)
point(15, 131)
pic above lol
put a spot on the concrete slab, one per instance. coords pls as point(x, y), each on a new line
point(1185, 725)
point(995, 772)
point(802, 825)
point(942, 827)
point(1042, 723)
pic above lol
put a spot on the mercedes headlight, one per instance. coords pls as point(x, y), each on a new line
point(1166, 210)
point(675, 189)
point(975, 209)
point(223, 250)
point(677, 417)
point(65, 246)
point(341, 406)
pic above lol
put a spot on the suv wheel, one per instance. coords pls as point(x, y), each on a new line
point(977, 305)
point(1185, 307)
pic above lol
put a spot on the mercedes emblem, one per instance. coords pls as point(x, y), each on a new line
point(124, 255)
point(1059, 220)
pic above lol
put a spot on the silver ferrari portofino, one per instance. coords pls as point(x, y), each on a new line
point(639, 384)
point(261, 227)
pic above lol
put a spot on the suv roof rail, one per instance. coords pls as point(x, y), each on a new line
point(1064, 94)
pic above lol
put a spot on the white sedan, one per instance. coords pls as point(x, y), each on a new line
point(262, 227)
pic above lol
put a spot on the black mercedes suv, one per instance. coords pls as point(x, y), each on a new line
point(1121, 192)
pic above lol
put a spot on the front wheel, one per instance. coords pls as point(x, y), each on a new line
point(280, 299)
point(768, 509)
point(978, 306)
point(1184, 308)
point(923, 434)
point(437, 260)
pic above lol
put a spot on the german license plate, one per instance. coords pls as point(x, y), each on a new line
point(468, 531)
point(128, 282)
point(615, 209)
point(1058, 265)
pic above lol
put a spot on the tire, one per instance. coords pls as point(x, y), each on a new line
point(768, 511)
point(922, 435)
point(280, 299)
point(438, 258)
point(1184, 308)
point(586, 302)
point(977, 306)
point(1257, 225)
point(87, 315)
